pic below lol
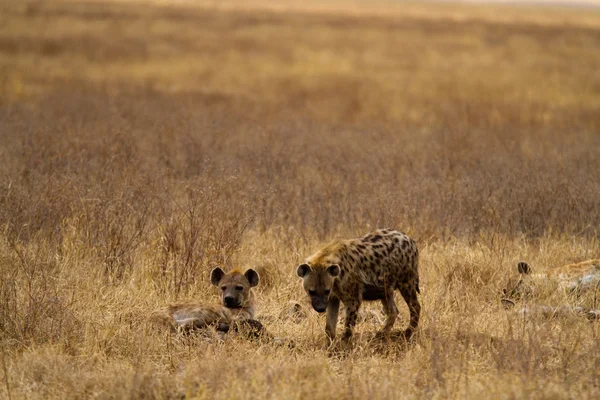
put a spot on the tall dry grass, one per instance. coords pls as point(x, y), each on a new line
point(141, 146)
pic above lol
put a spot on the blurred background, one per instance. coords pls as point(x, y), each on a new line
point(444, 119)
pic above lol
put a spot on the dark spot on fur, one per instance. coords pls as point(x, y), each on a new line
point(375, 238)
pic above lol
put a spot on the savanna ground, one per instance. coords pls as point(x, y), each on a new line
point(141, 145)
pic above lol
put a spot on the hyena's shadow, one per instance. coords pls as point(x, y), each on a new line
point(374, 343)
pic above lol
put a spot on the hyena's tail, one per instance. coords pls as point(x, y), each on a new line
point(417, 268)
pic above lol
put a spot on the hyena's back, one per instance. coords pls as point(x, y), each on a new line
point(382, 258)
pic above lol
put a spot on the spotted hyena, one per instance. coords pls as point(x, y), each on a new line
point(569, 278)
point(564, 311)
point(237, 307)
point(367, 268)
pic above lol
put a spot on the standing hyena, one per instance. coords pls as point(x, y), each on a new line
point(368, 268)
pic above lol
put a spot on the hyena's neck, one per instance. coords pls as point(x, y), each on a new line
point(250, 305)
point(330, 254)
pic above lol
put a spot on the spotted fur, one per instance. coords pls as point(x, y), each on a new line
point(368, 268)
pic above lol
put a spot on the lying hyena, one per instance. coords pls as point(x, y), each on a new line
point(564, 311)
point(568, 278)
point(237, 309)
point(367, 268)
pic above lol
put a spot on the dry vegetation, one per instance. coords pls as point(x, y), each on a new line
point(142, 145)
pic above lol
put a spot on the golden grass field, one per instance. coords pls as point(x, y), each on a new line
point(142, 144)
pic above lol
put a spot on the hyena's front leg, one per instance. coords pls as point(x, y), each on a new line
point(333, 308)
point(351, 316)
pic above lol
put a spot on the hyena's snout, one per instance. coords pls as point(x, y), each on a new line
point(320, 305)
point(231, 301)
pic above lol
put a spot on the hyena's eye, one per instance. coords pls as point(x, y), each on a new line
point(312, 292)
point(223, 287)
point(327, 291)
point(239, 287)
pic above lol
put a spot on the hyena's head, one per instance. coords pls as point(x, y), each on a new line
point(235, 286)
point(517, 285)
point(318, 282)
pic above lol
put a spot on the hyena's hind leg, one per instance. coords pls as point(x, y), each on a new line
point(409, 293)
point(391, 312)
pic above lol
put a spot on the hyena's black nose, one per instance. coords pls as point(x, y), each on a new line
point(320, 310)
point(229, 300)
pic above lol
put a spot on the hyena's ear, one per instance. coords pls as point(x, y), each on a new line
point(252, 277)
point(507, 303)
point(216, 275)
point(523, 268)
point(334, 270)
point(302, 270)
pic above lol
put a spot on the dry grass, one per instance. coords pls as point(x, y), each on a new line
point(143, 145)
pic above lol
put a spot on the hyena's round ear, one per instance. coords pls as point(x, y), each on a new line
point(523, 268)
point(334, 270)
point(216, 275)
point(507, 303)
point(252, 277)
point(302, 270)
